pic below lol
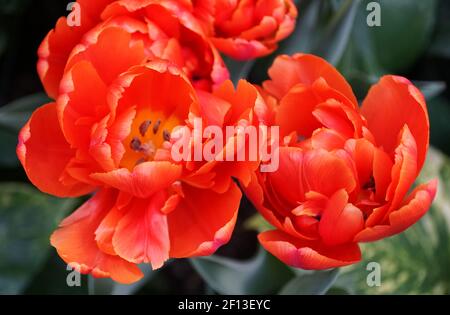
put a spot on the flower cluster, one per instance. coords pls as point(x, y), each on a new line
point(134, 78)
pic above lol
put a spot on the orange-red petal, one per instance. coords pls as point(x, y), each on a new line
point(416, 205)
point(340, 220)
point(394, 102)
point(308, 254)
point(203, 221)
point(75, 242)
point(45, 153)
point(288, 71)
point(142, 234)
point(145, 179)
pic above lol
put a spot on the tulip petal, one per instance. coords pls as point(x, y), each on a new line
point(288, 71)
point(145, 179)
point(45, 153)
point(403, 174)
point(340, 221)
point(82, 103)
point(254, 192)
point(394, 102)
point(325, 172)
point(308, 254)
point(57, 45)
point(417, 204)
point(241, 49)
point(203, 221)
point(142, 234)
point(75, 242)
point(110, 50)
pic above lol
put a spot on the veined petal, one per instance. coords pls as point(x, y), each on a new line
point(75, 242)
point(142, 234)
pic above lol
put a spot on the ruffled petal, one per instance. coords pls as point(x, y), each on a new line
point(203, 221)
point(145, 179)
point(75, 242)
point(142, 234)
point(110, 50)
point(288, 71)
point(82, 103)
point(241, 49)
point(308, 254)
point(58, 44)
point(413, 209)
point(45, 153)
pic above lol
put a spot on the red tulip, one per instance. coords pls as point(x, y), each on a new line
point(246, 29)
point(110, 133)
point(345, 172)
point(167, 30)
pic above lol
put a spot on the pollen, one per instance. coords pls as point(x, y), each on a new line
point(149, 131)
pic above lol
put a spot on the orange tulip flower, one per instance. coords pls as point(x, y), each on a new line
point(247, 29)
point(345, 172)
point(167, 29)
point(110, 133)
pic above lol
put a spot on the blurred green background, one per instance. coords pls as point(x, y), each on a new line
point(413, 40)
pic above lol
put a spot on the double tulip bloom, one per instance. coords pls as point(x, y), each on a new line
point(247, 29)
point(135, 76)
point(345, 171)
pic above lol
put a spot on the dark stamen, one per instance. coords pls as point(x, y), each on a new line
point(156, 126)
point(144, 127)
point(300, 138)
point(166, 135)
point(135, 144)
point(370, 185)
point(318, 217)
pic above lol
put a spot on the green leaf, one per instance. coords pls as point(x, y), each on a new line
point(8, 143)
point(332, 44)
point(406, 28)
point(15, 114)
point(52, 279)
point(439, 113)
point(440, 46)
point(263, 274)
point(27, 218)
point(13, 117)
point(238, 69)
point(106, 286)
point(323, 28)
point(316, 283)
point(430, 89)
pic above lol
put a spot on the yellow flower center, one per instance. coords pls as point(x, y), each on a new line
point(148, 133)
